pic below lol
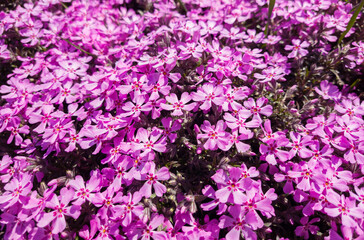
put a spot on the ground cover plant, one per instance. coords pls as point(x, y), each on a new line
point(150, 119)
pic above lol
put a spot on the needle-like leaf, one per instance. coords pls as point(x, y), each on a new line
point(270, 10)
point(352, 21)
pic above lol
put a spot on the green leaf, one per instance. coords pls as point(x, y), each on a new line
point(352, 21)
point(270, 10)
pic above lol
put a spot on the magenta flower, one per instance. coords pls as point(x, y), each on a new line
point(178, 105)
point(15, 130)
point(271, 152)
point(133, 109)
point(210, 27)
point(256, 108)
point(152, 178)
point(232, 186)
point(239, 121)
point(302, 231)
point(298, 48)
point(16, 191)
point(239, 224)
point(209, 192)
point(215, 135)
point(148, 141)
point(303, 172)
point(132, 207)
point(232, 96)
point(170, 127)
point(269, 134)
point(344, 207)
point(191, 48)
point(84, 192)
point(61, 209)
point(146, 231)
point(257, 202)
point(108, 201)
point(328, 91)
point(235, 139)
point(208, 94)
point(73, 69)
point(299, 144)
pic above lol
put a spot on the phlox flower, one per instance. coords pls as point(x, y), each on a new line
point(158, 85)
point(344, 207)
point(219, 54)
point(148, 141)
point(302, 231)
point(73, 69)
point(299, 144)
point(166, 74)
point(271, 152)
point(232, 186)
point(131, 207)
point(84, 192)
point(256, 108)
point(209, 192)
point(16, 226)
point(108, 202)
point(16, 191)
point(235, 139)
point(89, 233)
point(328, 91)
point(239, 121)
point(232, 96)
point(61, 209)
point(191, 48)
point(178, 105)
point(269, 134)
point(303, 174)
point(351, 107)
point(15, 131)
point(146, 231)
point(298, 48)
point(208, 94)
point(239, 224)
point(133, 109)
point(256, 201)
point(170, 127)
point(215, 135)
point(152, 178)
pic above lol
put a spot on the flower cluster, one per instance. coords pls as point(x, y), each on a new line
point(163, 119)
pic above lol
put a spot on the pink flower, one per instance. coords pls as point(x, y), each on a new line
point(302, 231)
point(235, 138)
point(256, 108)
point(134, 108)
point(298, 48)
point(16, 191)
point(178, 105)
point(328, 91)
point(238, 224)
point(344, 207)
point(132, 207)
point(215, 135)
point(152, 179)
point(170, 128)
point(73, 69)
point(57, 217)
point(84, 192)
point(232, 186)
point(271, 151)
point(208, 94)
point(148, 141)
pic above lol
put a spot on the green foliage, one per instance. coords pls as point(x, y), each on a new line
point(352, 21)
point(270, 10)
